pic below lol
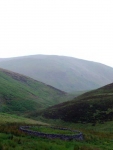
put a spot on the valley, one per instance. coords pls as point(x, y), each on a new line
point(26, 102)
point(56, 75)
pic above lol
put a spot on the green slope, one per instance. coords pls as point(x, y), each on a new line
point(20, 94)
point(12, 118)
point(65, 73)
point(94, 106)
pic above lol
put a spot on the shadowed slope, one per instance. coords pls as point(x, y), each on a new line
point(94, 106)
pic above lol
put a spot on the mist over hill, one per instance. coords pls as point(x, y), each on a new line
point(65, 73)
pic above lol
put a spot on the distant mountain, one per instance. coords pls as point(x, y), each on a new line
point(94, 106)
point(65, 73)
point(21, 94)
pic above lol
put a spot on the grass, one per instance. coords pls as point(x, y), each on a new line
point(50, 130)
point(20, 94)
point(97, 137)
point(10, 142)
point(10, 118)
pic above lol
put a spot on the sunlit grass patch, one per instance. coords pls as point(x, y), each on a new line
point(9, 118)
point(53, 130)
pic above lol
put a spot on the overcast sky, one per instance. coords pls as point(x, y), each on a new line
point(77, 28)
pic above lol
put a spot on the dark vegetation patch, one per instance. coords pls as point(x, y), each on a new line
point(15, 76)
point(92, 107)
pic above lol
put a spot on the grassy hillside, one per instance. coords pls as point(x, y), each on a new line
point(8, 118)
point(65, 73)
point(21, 94)
point(95, 106)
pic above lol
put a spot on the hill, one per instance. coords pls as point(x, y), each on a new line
point(65, 73)
point(91, 107)
point(21, 94)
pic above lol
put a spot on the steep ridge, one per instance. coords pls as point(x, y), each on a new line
point(94, 106)
point(65, 73)
point(21, 94)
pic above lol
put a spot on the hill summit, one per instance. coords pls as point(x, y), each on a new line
point(65, 73)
